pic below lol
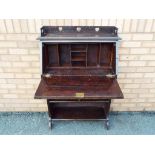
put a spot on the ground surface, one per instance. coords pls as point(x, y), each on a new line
point(123, 123)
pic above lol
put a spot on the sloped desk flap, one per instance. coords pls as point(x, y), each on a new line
point(108, 89)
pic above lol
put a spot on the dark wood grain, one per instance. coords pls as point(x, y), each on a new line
point(75, 78)
point(97, 55)
point(104, 90)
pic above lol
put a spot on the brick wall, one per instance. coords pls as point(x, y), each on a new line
point(19, 63)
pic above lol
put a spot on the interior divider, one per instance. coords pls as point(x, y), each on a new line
point(99, 54)
point(86, 53)
point(58, 54)
point(46, 56)
point(111, 56)
point(70, 56)
point(89, 55)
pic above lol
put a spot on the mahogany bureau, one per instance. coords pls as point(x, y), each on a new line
point(79, 67)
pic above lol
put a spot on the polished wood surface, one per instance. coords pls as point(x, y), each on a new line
point(107, 88)
point(79, 78)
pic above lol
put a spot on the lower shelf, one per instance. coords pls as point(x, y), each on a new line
point(78, 109)
point(78, 113)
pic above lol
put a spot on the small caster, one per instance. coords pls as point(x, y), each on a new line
point(50, 123)
point(107, 124)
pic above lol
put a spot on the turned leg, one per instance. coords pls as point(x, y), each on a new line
point(49, 114)
point(106, 111)
point(50, 123)
point(107, 123)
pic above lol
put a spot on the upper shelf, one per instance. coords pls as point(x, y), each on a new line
point(79, 34)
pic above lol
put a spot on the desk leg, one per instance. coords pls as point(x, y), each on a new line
point(50, 123)
point(107, 123)
point(106, 110)
point(49, 114)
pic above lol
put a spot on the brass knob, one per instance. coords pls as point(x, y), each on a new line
point(60, 29)
point(97, 29)
point(78, 29)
